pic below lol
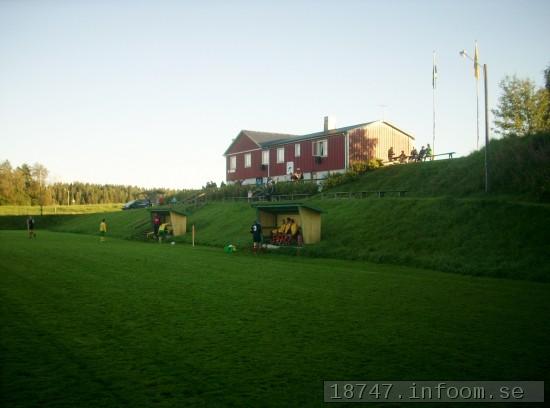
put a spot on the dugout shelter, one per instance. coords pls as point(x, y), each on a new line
point(307, 217)
point(177, 219)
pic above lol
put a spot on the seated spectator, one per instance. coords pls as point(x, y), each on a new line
point(402, 157)
point(429, 152)
point(414, 155)
point(279, 232)
point(421, 154)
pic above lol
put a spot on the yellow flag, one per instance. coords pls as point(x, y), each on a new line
point(476, 63)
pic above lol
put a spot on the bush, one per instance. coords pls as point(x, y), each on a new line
point(356, 169)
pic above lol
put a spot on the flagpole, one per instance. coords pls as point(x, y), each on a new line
point(477, 111)
point(476, 74)
point(434, 77)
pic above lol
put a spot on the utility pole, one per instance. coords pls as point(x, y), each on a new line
point(486, 129)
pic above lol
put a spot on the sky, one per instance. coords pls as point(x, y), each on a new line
point(152, 92)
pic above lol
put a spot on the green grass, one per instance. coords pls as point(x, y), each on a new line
point(58, 209)
point(132, 324)
point(476, 237)
point(131, 224)
point(518, 170)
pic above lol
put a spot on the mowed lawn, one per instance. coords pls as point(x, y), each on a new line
point(120, 323)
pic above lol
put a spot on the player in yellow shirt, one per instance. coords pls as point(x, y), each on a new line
point(102, 230)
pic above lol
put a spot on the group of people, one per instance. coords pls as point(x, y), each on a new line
point(286, 233)
point(415, 156)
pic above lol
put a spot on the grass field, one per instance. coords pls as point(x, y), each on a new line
point(133, 324)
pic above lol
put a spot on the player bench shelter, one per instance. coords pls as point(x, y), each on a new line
point(307, 217)
point(177, 219)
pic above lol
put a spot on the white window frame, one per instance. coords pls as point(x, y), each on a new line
point(322, 151)
point(247, 160)
point(297, 150)
point(232, 163)
point(265, 157)
point(280, 155)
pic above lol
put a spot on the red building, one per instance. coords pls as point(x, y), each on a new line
point(255, 156)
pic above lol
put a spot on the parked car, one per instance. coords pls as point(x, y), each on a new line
point(136, 204)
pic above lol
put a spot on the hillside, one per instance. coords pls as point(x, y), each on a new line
point(445, 222)
point(519, 169)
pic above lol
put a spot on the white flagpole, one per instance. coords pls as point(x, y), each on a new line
point(434, 78)
point(476, 73)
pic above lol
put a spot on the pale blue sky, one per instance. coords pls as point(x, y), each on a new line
point(151, 93)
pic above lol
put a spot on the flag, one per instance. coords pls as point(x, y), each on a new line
point(434, 72)
point(476, 63)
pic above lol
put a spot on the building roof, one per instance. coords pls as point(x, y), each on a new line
point(268, 139)
point(261, 138)
point(319, 134)
point(284, 208)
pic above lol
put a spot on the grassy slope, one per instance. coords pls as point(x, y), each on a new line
point(128, 324)
point(518, 169)
point(448, 225)
point(477, 237)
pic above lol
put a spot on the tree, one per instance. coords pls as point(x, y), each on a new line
point(522, 109)
point(40, 174)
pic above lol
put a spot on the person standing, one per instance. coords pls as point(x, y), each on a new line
point(156, 225)
point(256, 231)
point(30, 227)
point(390, 154)
point(102, 230)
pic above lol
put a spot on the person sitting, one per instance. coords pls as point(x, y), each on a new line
point(414, 155)
point(421, 154)
point(402, 157)
point(278, 233)
point(286, 236)
point(429, 152)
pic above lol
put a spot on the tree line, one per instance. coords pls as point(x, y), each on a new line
point(26, 185)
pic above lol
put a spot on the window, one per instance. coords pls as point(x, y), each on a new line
point(232, 163)
point(265, 157)
point(281, 155)
point(247, 160)
point(320, 148)
point(297, 150)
